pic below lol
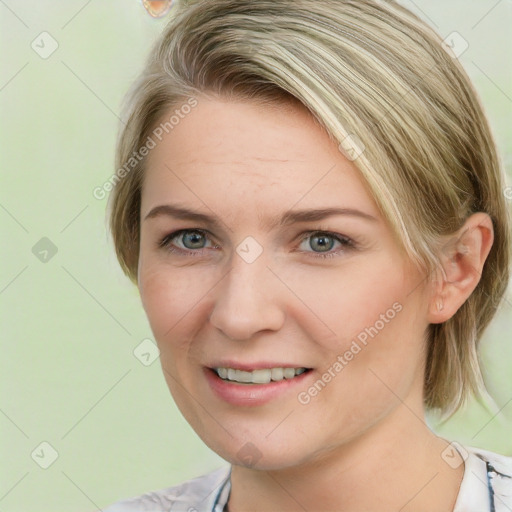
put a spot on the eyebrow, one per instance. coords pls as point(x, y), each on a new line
point(289, 217)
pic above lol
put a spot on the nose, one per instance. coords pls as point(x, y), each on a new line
point(247, 300)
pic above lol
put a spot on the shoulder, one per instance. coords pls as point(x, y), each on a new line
point(201, 493)
point(500, 464)
point(487, 478)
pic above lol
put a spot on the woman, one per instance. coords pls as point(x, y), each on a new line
point(310, 203)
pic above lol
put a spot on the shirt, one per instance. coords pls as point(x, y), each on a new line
point(486, 487)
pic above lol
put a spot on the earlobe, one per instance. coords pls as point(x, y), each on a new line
point(462, 259)
point(437, 313)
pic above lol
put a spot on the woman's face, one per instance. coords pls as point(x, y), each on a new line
point(283, 262)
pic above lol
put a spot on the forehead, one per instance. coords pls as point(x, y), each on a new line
point(228, 152)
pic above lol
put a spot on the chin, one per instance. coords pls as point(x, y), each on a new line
point(259, 451)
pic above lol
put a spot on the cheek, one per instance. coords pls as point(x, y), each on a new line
point(378, 362)
point(362, 379)
point(368, 316)
point(172, 300)
point(335, 305)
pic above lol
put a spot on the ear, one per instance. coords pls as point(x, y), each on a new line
point(462, 259)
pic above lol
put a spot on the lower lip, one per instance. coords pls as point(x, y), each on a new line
point(251, 394)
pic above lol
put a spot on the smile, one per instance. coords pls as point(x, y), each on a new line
point(261, 376)
point(256, 387)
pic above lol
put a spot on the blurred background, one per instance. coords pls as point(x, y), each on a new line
point(85, 417)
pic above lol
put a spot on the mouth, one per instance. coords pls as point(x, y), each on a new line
point(259, 376)
point(256, 386)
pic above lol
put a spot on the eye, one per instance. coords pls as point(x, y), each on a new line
point(186, 241)
point(322, 243)
point(319, 244)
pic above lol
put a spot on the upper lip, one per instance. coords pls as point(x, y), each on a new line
point(260, 365)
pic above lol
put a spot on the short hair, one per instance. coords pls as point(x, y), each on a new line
point(373, 75)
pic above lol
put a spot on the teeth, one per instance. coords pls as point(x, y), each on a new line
point(260, 376)
point(263, 376)
point(288, 373)
point(277, 373)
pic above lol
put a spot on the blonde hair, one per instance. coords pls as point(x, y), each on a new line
point(372, 74)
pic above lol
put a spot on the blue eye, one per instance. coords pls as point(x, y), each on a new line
point(192, 242)
point(322, 243)
point(193, 239)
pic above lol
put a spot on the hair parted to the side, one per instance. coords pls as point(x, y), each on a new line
point(364, 68)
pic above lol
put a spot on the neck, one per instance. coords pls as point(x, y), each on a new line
point(394, 465)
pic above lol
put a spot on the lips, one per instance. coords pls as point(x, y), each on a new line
point(261, 388)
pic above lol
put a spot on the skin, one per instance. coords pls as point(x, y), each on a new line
point(362, 442)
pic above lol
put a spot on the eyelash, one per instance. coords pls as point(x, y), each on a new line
point(346, 242)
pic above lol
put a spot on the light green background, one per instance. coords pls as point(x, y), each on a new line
point(69, 326)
